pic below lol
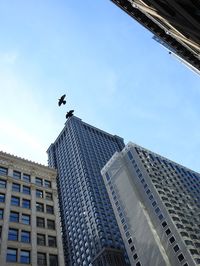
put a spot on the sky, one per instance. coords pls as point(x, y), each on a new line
point(115, 76)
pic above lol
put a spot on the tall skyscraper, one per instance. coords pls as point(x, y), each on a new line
point(30, 231)
point(90, 231)
point(157, 206)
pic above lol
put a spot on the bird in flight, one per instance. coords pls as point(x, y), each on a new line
point(62, 100)
point(69, 114)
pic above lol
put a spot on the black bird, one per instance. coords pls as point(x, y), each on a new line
point(62, 100)
point(69, 114)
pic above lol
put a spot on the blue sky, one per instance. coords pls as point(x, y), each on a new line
point(115, 76)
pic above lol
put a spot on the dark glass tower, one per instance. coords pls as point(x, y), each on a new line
point(88, 221)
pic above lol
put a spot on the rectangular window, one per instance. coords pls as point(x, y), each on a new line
point(16, 187)
point(41, 240)
point(39, 193)
point(47, 184)
point(176, 248)
point(27, 178)
point(26, 190)
point(2, 183)
point(25, 257)
point(52, 241)
point(26, 219)
point(38, 181)
point(53, 260)
point(1, 214)
point(168, 231)
point(25, 236)
point(50, 224)
point(49, 196)
point(39, 207)
point(2, 197)
point(26, 203)
point(172, 240)
point(11, 255)
point(49, 209)
point(3, 171)
point(15, 201)
point(41, 259)
point(16, 175)
point(14, 217)
point(13, 234)
point(41, 222)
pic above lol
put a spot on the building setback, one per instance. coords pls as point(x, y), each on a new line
point(29, 219)
point(90, 231)
point(157, 206)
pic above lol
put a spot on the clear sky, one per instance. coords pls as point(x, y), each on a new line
point(115, 76)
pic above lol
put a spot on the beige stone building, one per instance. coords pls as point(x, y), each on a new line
point(30, 231)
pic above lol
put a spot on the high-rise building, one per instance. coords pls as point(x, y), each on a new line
point(29, 220)
point(90, 231)
point(157, 205)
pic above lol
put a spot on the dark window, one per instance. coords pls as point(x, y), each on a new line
point(138, 264)
point(16, 175)
point(39, 207)
point(1, 214)
point(25, 237)
point(41, 259)
point(14, 217)
point(49, 209)
point(26, 178)
point(130, 240)
point(38, 181)
point(47, 184)
point(53, 260)
point(3, 171)
point(41, 240)
point(13, 234)
point(39, 193)
point(2, 197)
point(51, 224)
point(52, 241)
point(25, 256)
point(160, 216)
point(164, 224)
point(26, 203)
point(26, 219)
point(180, 257)
point(11, 255)
point(172, 239)
point(168, 231)
point(41, 222)
point(26, 190)
point(133, 248)
point(15, 201)
point(176, 248)
point(135, 256)
point(49, 196)
point(16, 187)
point(2, 183)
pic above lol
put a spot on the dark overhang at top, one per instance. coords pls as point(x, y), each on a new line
point(175, 22)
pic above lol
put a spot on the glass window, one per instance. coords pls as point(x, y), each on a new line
point(39, 193)
point(26, 190)
point(11, 255)
point(49, 209)
point(41, 259)
point(3, 171)
point(2, 183)
point(26, 203)
point(50, 224)
point(38, 181)
point(39, 207)
point(52, 241)
point(13, 234)
point(16, 175)
point(176, 248)
point(26, 219)
point(16, 187)
point(15, 201)
point(41, 240)
point(40, 222)
point(181, 257)
point(25, 256)
point(53, 260)
point(47, 184)
point(49, 196)
point(25, 237)
point(2, 197)
point(1, 214)
point(26, 178)
point(14, 217)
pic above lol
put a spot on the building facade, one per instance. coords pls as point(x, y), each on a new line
point(88, 222)
point(157, 206)
point(30, 231)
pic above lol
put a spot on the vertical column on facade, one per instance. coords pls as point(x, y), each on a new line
point(33, 224)
point(6, 220)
